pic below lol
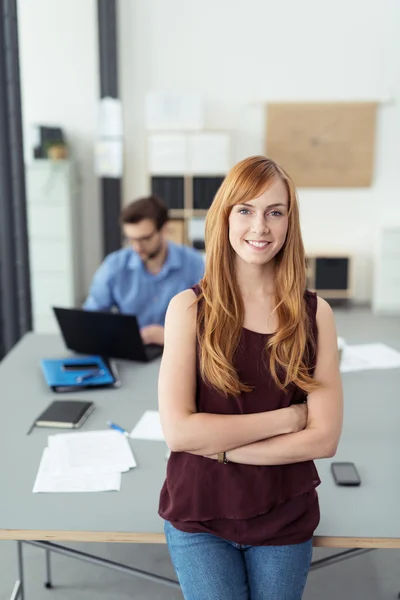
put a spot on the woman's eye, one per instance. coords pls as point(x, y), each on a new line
point(244, 211)
point(276, 213)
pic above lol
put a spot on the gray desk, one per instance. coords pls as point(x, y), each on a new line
point(128, 515)
point(365, 517)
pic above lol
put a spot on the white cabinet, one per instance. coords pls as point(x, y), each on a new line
point(53, 230)
point(386, 292)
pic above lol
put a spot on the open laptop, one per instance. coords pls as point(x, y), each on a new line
point(112, 335)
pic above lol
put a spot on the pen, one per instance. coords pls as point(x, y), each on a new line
point(89, 375)
point(117, 428)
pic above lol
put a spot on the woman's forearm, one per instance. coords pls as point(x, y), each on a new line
point(308, 444)
point(206, 434)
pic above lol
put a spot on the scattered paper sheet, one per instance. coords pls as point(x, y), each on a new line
point(148, 427)
point(93, 450)
point(364, 357)
point(96, 481)
point(84, 462)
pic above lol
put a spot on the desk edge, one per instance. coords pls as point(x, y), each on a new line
point(159, 538)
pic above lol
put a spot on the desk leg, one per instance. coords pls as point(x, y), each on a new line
point(16, 591)
point(48, 583)
point(339, 557)
point(20, 571)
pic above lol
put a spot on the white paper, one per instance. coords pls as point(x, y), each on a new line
point(196, 228)
point(148, 427)
point(167, 154)
point(364, 357)
point(109, 118)
point(104, 451)
point(209, 153)
point(96, 481)
point(109, 158)
point(174, 110)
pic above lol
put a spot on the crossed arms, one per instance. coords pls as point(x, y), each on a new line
point(288, 435)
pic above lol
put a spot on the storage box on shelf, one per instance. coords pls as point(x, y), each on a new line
point(330, 275)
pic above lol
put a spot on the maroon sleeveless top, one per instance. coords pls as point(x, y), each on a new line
point(246, 504)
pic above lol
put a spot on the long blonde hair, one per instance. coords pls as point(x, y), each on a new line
point(220, 305)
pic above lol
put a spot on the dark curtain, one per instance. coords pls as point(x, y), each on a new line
point(15, 299)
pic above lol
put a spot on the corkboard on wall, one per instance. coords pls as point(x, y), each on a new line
point(323, 144)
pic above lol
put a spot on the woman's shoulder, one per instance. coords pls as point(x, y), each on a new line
point(181, 316)
point(184, 300)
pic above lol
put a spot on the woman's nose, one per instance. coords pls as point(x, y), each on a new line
point(259, 226)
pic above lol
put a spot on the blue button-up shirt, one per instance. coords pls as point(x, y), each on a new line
point(122, 281)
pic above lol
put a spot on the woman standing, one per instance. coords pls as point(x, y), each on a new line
point(249, 394)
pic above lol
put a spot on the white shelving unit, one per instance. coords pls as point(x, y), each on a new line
point(386, 289)
point(53, 230)
point(186, 168)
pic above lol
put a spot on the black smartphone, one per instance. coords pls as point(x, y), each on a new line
point(345, 473)
point(80, 366)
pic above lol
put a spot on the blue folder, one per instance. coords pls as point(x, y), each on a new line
point(77, 373)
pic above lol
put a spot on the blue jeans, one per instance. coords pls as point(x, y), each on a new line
point(211, 568)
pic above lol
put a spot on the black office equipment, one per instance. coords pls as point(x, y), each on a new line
point(112, 335)
point(345, 473)
point(330, 275)
point(170, 189)
point(204, 190)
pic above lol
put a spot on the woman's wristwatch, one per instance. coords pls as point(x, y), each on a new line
point(222, 458)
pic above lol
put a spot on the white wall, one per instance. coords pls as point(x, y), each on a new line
point(60, 86)
point(240, 54)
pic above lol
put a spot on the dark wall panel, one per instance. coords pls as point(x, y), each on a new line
point(15, 299)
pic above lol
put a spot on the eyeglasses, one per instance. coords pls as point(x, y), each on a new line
point(141, 240)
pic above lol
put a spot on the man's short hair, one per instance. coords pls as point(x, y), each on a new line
point(151, 207)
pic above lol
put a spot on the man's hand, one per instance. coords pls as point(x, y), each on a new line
point(153, 334)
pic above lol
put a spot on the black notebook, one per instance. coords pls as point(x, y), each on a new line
point(65, 413)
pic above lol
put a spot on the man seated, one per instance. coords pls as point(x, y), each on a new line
point(141, 279)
